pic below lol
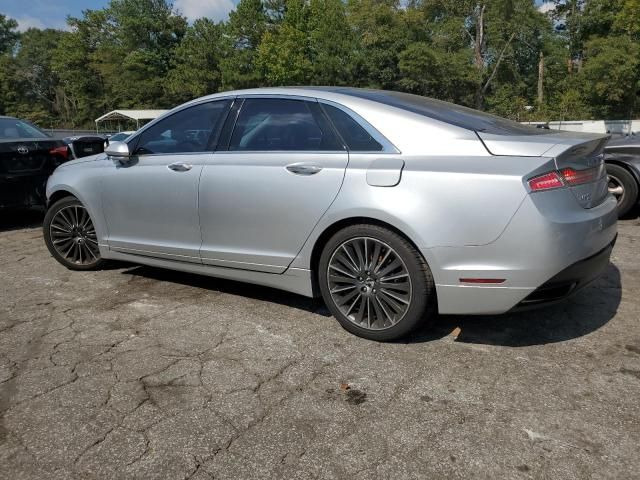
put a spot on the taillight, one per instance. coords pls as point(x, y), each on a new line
point(62, 152)
point(579, 177)
point(548, 181)
point(566, 176)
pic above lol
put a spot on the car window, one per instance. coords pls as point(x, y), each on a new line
point(276, 124)
point(354, 135)
point(187, 131)
point(119, 137)
point(11, 128)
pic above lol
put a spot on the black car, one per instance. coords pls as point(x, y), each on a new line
point(27, 157)
point(622, 156)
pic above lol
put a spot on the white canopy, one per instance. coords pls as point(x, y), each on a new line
point(135, 115)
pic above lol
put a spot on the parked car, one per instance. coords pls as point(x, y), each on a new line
point(120, 136)
point(27, 158)
point(85, 145)
point(393, 207)
point(622, 156)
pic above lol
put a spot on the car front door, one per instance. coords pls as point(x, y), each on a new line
point(260, 197)
point(151, 199)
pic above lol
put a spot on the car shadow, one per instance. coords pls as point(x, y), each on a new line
point(17, 219)
point(585, 312)
point(581, 314)
point(257, 292)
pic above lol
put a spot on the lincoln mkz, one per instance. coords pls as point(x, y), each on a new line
point(392, 207)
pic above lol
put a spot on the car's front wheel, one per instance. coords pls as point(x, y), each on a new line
point(70, 235)
point(623, 186)
point(376, 283)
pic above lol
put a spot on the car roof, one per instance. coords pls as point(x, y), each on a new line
point(446, 112)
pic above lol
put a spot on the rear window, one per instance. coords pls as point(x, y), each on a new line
point(12, 128)
point(446, 112)
point(354, 135)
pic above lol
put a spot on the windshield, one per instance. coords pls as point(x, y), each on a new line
point(12, 128)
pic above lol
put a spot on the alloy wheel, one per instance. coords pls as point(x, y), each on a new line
point(616, 188)
point(369, 283)
point(73, 235)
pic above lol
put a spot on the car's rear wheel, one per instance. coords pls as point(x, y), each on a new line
point(376, 283)
point(70, 235)
point(623, 186)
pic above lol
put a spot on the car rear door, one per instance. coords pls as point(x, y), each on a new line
point(261, 196)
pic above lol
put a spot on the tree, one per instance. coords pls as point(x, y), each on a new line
point(243, 32)
point(611, 76)
point(8, 34)
point(195, 67)
point(8, 38)
point(34, 78)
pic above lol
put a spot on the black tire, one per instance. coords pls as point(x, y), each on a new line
point(82, 230)
point(421, 309)
point(621, 178)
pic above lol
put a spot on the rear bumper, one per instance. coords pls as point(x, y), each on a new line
point(550, 242)
point(569, 280)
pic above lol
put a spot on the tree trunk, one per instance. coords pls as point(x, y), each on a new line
point(541, 79)
point(479, 47)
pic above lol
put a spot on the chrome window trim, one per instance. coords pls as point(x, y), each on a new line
point(387, 146)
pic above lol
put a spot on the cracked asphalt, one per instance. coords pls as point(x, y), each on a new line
point(134, 372)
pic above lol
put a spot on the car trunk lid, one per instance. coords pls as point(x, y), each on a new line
point(578, 158)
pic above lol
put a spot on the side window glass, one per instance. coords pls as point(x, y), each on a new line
point(353, 134)
point(186, 131)
point(274, 124)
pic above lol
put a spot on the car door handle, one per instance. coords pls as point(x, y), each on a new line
point(180, 167)
point(304, 168)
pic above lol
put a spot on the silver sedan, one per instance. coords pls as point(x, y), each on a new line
point(392, 207)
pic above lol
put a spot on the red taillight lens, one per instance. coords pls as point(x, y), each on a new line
point(62, 151)
point(548, 181)
point(579, 177)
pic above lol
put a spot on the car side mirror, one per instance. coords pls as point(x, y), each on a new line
point(119, 150)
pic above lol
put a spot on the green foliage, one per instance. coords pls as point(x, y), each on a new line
point(483, 53)
point(8, 34)
point(611, 76)
point(195, 67)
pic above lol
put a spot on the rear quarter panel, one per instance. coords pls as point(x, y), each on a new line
point(465, 200)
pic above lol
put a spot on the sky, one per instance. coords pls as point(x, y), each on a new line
point(53, 13)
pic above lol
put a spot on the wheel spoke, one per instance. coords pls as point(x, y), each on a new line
point(341, 279)
point(360, 254)
point(353, 262)
point(395, 296)
point(60, 228)
point(344, 260)
point(401, 286)
point(387, 316)
point(377, 247)
point(353, 304)
point(393, 266)
point(342, 289)
point(337, 269)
